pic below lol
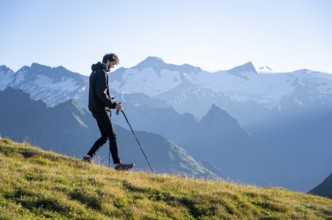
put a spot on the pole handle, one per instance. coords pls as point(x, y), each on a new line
point(117, 111)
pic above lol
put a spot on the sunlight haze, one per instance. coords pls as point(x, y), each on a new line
point(214, 34)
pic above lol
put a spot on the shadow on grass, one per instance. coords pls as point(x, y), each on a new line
point(37, 202)
point(86, 199)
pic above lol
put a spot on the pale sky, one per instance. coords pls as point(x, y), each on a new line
point(285, 35)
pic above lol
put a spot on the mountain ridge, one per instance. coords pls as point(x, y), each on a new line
point(69, 129)
point(159, 64)
point(225, 90)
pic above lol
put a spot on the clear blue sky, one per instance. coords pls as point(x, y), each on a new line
point(215, 35)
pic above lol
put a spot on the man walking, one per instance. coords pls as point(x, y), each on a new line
point(100, 103)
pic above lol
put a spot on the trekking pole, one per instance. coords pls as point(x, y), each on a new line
point(117, 112)
point(109, 157)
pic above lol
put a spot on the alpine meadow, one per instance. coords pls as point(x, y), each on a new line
point(36, 184)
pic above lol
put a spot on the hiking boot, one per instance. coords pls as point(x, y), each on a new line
point(87, 159)
point(124, 166)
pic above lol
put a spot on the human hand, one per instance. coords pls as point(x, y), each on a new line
point(119, 107)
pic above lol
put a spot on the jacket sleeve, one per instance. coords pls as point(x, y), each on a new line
point(102, 91)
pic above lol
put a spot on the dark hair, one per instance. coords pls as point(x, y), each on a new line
point(111, 57)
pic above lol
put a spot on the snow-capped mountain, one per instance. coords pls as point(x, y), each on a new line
point(151, 77)
point(243, 71)
point(158, 65)
point(242, 92)
point(52, 85)
point(264, 69)
point(6, 77)
point(234, 90)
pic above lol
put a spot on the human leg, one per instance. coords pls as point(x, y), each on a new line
point(99, 143)
point(106, 126)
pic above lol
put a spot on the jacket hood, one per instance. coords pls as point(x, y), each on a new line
point(98, 66)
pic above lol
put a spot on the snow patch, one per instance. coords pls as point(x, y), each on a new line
point(68, 85)
point(6, 78)
point(265, 70)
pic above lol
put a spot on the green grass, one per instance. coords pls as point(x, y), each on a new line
point(35, 184)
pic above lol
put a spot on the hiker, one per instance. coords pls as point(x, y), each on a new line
point(100, 103)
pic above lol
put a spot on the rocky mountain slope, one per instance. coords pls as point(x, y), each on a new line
point(69, 129)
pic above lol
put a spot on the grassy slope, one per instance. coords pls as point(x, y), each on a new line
point(35, 184)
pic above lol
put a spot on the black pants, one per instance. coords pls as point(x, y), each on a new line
point(107, 132)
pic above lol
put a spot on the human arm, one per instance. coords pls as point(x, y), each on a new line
point(102, 90)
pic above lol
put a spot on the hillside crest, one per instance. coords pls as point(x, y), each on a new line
point(38, 184)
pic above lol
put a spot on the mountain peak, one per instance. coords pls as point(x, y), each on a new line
point(42, 68)
point(150, 61)
point(35, 68)
point(159, 64)
point(39, 66)
point(6, 77)
point(216, 115)
point(153, 59)
point(4, 68)
point(52, 72)
point(215, 110)
point(247, 67)
point(264, 69)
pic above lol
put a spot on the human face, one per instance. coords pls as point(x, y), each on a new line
point(110, 64)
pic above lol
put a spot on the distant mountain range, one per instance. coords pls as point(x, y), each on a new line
point(69, 129)
point(241, 91)
point(51, 85)
point(284, 117)
point(184, 87)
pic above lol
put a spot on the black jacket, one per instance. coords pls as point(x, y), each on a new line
point(99, 95)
